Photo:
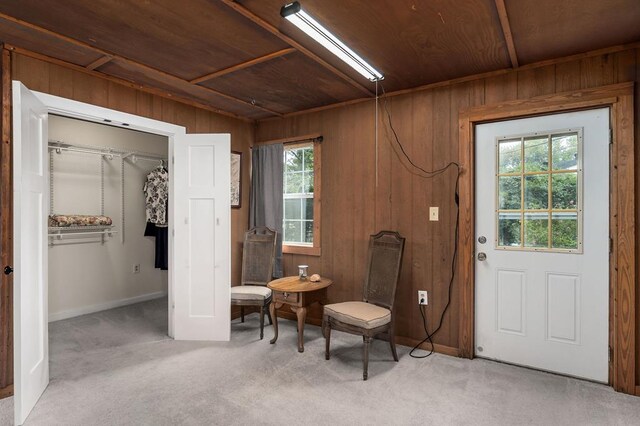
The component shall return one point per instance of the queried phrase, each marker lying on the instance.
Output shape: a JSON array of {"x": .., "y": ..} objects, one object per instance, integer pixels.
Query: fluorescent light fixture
[{"x": 294, "y": 13}]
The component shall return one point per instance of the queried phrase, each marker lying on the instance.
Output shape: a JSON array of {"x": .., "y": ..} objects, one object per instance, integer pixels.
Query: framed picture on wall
[{"x": 236, "y": 179}]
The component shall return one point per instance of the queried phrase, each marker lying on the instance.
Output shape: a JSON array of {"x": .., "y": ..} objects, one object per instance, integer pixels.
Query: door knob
[
  {"x": 8, "y": 270},
  {"x": 482, "y": 256}
]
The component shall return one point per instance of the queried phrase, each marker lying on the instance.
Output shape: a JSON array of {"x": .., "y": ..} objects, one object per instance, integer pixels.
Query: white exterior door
[
  {"x": 31, "y": 203},
  {"x": 201, "y": 267},
  {"x": 542, "y": 242}
]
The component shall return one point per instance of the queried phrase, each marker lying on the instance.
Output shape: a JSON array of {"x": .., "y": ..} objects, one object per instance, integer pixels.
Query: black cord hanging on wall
[{"x": 426, "y": 174}]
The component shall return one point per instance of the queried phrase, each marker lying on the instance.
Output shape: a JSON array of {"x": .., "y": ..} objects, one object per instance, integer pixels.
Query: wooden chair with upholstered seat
[
  {"x": 373, "y": 316},
  {"x": 258, "y": 253}
]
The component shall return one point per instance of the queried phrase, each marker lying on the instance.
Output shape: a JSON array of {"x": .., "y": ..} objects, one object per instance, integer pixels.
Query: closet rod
[
  {"x": 62, "y": 146},
  {"x": 136, "y": 157},
  {"x": 84, "y": 151},
  {"x": 60, "y": 235}
]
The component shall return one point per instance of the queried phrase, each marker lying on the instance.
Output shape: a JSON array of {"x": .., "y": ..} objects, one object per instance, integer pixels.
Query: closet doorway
[
  {"x": 101, "y": 254},
  {"x": 198, "y": 280}
]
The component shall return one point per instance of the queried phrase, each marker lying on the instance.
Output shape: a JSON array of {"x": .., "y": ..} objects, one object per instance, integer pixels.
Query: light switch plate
[{"x": 433, "y": 214}]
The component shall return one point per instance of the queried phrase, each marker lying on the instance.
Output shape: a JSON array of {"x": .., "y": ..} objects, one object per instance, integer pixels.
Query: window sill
[{"x": 303, "y": 250}]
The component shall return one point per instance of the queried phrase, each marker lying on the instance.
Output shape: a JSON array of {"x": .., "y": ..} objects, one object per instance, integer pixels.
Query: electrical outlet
[
  {"x": 136, "y": 268},
  {"x": 433, "y": 214},
  {"x": 423, "y": 297}
]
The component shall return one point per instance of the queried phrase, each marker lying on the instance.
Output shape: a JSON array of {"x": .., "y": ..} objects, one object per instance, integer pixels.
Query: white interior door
[
  {"x": 542, "y": 221},
  {"x": 202, "y": 240},
  {"x": 31, "y": 203}
]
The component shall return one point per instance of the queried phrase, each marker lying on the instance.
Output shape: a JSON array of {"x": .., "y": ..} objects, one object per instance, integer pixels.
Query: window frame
[
  {"x": 315, "y": 249},
  {"x": 550, "y": 210}
]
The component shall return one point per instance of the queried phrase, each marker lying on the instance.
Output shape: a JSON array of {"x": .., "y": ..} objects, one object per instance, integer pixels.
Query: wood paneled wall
[
  {"x": 56, "y": 80},
  {"x": 6, "y": 225},
  {"x": 357, "y": 203}
]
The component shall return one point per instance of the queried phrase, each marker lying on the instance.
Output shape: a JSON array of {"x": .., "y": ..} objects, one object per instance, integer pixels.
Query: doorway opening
[
  {"x": 105, "y": 248},
  {"x": 198, "y": 194}
]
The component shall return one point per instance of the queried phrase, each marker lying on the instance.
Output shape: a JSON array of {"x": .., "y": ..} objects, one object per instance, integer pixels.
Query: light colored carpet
[{"x": 118, "y": 368}]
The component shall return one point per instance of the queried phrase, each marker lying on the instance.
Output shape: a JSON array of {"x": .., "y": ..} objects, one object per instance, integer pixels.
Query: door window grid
[{"x": 539, "y": 194}]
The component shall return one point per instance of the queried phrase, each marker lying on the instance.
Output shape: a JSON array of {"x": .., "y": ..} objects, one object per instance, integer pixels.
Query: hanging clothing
[
  {"x": 161, "y": 234},
  {"x": 156, "y": 195},
  {"x": 162, "y": 248},
  {"x": 156, "y": 191}
]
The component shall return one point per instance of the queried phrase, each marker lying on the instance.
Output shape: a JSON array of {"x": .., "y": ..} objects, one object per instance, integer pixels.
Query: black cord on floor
[
  {"x": 428, "y": 175},
  {"x": 428, "y": 338},
  {"x": 453, "y": 272}
]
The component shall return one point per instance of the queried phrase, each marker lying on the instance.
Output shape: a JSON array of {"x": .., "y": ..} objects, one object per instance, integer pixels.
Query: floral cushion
[{"x": 64, "y": 220}]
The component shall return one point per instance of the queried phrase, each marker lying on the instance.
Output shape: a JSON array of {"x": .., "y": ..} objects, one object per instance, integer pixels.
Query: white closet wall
[{"x": 85, "y": 275}]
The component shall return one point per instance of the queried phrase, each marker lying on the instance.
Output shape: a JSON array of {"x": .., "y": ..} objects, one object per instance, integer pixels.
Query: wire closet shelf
[{"x": 58, "y": 147}]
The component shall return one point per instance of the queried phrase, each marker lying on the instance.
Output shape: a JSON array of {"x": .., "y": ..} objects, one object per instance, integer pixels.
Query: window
[
  {"x": 539, "y": 194},
  {"x": 301, "y": 209}
]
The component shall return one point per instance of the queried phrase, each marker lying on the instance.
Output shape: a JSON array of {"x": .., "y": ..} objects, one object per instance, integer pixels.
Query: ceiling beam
[
  {"x": 506, "y": 30},
  {"x": 99, "y": 62},
  {"x": 145, "y": 68},
  {"x": 474, "y": 77},
  {"x": 123, "y": 82},
  {"x": 291, "y": 42},
  {"x": 243, "y": 65},
  {"x": 169, "y": 78}
]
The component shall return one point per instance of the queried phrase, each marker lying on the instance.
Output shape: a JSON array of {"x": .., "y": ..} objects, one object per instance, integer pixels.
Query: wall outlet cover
[
  {"x": 423, "y": 297},
  {"x": 136, "y": 268}
]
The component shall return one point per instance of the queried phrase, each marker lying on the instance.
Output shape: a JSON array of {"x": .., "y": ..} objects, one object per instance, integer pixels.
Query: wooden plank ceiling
[{"x": 242, "y": 58}]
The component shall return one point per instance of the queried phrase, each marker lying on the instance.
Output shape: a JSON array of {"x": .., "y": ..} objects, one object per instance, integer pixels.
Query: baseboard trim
[
  {"x": 441, "y": 349},
  {"x": 70, "y": 313},
  {"x": 400, "y": 340},
  {"x": 6, "y": 392}
]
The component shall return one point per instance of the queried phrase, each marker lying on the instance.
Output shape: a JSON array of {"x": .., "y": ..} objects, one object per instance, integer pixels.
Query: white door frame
[
  {"x": 88, "y": 112},
  {"x": 623, "y": 286}
]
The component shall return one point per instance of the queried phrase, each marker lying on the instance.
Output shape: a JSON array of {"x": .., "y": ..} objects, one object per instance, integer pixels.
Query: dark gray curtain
[{"x": 265, "y": 209}]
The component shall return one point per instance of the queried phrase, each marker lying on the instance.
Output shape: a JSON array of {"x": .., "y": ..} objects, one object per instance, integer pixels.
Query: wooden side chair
[
  {"x": 258, "y": 253},
  {"x": 373, "y": 316}
]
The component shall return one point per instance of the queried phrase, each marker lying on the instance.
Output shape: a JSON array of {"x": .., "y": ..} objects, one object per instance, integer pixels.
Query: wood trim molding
[
  {"x": 466, "y": 79},
  {"x": 619, "y": 98},
  {"x": 291, "y": 42},
  {"x": 310, "y": 137},
  {"x": 441, "y": 349},
  {"x": 6, "y": 392},
  {"x": 590, "y": 54},
  {"x": 6, "y": 233},
  {"x": 99, "y": 62},
  {"x": 301, "y": 250},
  {"x": 506, "y": 30},
  {"x": 400, "y": 340},
  {"x": 243, "y": 65},
  {"x": 316, "y": 250},
  {"x": 144, "y": 68},
  {"x": 147, "y": 89}
]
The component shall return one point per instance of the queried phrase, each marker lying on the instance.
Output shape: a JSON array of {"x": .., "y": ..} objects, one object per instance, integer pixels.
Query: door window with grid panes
[
  {"x": 539, "y": 192},
  {"x": 298, "y": 195}
]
